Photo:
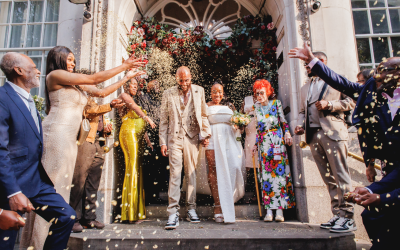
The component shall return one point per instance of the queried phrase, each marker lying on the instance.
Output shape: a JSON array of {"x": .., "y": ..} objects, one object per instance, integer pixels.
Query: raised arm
[
  {"x": 130, "y": 104},
  {"x": 58, "y": 78},
  {"x": 96, "y": 92},
  {"x": 336, "y": 81}
]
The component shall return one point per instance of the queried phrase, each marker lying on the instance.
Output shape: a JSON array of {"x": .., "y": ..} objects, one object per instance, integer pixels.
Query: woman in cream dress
[
  {"x": 65, "y": 99},
  {"x": 225, "y": 158}
]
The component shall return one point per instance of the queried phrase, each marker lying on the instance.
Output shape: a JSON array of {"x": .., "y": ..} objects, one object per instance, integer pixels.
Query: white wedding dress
[{"x": 229, "y": 159}]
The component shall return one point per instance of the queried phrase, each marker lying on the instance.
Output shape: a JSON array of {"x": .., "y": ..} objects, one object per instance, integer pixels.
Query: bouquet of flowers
[
  {"x": 240, "y": 119},
  {"x": 39, "y": 103}
]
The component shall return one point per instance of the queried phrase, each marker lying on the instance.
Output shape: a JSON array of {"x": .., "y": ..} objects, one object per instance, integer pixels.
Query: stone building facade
[{"x": 352, "y": 33}]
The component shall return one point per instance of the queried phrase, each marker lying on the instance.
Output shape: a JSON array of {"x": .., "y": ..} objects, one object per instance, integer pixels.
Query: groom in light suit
[
  {"x": 183, "y": 126},
  {"x": 24, "y": 184}
]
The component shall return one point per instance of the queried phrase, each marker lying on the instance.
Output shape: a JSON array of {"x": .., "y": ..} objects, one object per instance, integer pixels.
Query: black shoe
[
  {"x": 192, "y": 216},
  {"x": 330, "y": 223},
  {"x": 173, "y": 221},
  {"x": 344, "y": 225}
]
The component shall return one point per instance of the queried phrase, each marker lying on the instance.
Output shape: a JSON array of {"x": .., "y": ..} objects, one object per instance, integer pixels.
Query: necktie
[{"x": 32, "y": 109}]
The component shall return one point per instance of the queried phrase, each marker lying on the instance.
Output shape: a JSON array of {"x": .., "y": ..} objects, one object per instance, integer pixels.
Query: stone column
[{"x": 332, "y": 32}]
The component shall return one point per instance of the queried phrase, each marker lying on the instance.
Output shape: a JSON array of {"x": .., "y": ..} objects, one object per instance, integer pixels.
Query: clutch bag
[{"x": 83, "y": 131}]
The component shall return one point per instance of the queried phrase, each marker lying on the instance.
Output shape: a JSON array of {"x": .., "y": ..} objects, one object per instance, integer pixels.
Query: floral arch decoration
[{"x": 252, "y": 37}]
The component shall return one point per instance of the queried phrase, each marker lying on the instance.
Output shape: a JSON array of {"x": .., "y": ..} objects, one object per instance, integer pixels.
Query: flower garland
[{"x": 148, "y": 33}]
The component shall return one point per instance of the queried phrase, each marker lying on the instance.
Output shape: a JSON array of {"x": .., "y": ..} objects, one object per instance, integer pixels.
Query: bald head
[{"x": 184, "y": 78}]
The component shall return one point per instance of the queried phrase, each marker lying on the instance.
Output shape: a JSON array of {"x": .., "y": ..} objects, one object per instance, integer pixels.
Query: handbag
[{"x": 83, "y": 131}]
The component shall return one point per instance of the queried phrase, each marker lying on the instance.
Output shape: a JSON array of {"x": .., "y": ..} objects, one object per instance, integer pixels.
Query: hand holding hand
[
  {"x": 11, "y": 220},
  {"x": 20, "y": 203},
  {"x": 133, "y": 63},
  {"x": 164, "y": 150},
  {"x": 205, "y": 142},
  {"x": 304, "y": 53},
  {"x": 299, "y": 130},
  {"x": 288, "y": 139},
  {"x": 322, "y": 105}
]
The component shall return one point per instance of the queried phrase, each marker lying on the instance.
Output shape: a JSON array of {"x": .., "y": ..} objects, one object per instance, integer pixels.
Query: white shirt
[
  {"x": 24, "y": 95},
  {"x": 315, "y": 80},
  {"x": 394, "y": 103},
  {"x": 182, "y": 96}
]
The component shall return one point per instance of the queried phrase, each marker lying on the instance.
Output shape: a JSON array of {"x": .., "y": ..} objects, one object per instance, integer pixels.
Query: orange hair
[{"x": 259, "y": 84}]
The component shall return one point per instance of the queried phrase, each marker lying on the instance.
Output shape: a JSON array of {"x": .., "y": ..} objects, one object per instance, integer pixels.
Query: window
[
  {"x": 377, "y": 29},
  {"x": 29, "y": 27}
]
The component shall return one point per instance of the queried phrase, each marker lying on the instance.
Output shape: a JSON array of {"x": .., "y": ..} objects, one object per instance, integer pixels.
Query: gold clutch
[{"x": 83, "y": 131}]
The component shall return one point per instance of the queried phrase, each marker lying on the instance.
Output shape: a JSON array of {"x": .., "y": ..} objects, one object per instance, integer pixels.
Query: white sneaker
[
  {"x": 192, "y": 216},
  {"x": 330, "y": 223},
  {"x": 173, "y": 221},
  {"x": 269, "y": 216},
  {"x": 279, "y": 216},
  {"x": 344, "y": 225}
]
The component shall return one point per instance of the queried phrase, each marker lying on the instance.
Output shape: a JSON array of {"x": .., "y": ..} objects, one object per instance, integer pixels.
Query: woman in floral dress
[{"x": 272, "y": 135}]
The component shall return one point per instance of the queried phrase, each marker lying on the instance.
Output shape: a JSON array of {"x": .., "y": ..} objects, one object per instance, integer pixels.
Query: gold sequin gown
[{"x": 131, "y": 137}]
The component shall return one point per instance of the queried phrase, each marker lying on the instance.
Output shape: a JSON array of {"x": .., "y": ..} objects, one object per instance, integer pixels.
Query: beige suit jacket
[
  {"x": 335, "y": 128},
  {"x": 170, "y": 115}
]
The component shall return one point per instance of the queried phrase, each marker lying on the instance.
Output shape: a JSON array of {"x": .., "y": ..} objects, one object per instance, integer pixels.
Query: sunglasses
[{"x": 260, "y": 93}]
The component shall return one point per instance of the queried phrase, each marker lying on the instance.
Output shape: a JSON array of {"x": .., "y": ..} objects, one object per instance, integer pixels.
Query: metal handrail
[{"x": 303, "y": 144}]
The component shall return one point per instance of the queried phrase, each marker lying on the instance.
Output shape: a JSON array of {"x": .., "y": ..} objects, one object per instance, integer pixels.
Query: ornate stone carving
[{"x": 304, "y": 29}]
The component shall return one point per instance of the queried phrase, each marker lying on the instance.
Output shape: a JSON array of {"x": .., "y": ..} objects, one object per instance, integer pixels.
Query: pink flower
[
  {"x": 270, "y": 26},
  {"x": 141, "y": 31},
  {"x": 263, "y": 27}
]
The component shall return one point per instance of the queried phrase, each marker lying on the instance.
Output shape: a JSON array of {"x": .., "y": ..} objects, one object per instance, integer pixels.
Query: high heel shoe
[{"x": 219, "y": 218}]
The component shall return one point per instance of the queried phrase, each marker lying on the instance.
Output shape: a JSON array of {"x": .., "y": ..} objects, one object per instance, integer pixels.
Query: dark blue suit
[
  {"x": 21, "y": 147},
  {"x": 380, "y": 139}
]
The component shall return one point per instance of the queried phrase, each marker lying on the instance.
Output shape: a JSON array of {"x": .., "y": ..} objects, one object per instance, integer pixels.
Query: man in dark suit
[
  {"x": 377, "y": 118},
  {"x": 24, "y": 184}
]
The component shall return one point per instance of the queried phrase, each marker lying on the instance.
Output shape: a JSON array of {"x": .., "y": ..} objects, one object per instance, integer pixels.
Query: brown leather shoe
[
  {"x": 77, "y": 228},
  {"x": 94, "y": 224}
]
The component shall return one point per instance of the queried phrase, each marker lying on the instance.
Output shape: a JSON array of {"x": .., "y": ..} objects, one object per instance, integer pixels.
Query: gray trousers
[{"x": 331, "y": 159}]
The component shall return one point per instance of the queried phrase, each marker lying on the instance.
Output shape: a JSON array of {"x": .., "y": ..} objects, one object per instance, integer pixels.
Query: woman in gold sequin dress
[{"x": 132, "y": 137}]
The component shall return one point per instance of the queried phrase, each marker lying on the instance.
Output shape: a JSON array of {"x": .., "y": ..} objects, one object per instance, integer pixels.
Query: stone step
[
  {"x": 244, "y": 234},
  {"x": 241, "y": 211}
]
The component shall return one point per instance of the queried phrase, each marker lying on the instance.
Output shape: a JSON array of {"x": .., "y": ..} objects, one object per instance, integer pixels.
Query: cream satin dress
[{"x": 60, "y": 130}]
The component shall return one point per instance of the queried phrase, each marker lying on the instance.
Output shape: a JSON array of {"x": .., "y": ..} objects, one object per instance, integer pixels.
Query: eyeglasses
[{"x": 260, "y": 93}]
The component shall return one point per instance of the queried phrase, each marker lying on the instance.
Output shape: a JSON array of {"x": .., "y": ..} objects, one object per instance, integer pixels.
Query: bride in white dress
[{"x": 225, "y": 158}]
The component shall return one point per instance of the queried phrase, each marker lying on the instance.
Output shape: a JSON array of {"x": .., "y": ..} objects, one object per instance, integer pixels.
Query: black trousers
[
  {"x": 86, "y": 180},
  {"x": 382, "y": 227}
]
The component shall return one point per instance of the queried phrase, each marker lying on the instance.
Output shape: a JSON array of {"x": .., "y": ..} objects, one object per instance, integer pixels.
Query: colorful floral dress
[{"x": 274, "y": 175}]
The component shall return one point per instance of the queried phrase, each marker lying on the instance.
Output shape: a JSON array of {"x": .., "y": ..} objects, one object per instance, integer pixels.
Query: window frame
[{"x": 371, "y": 34}]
